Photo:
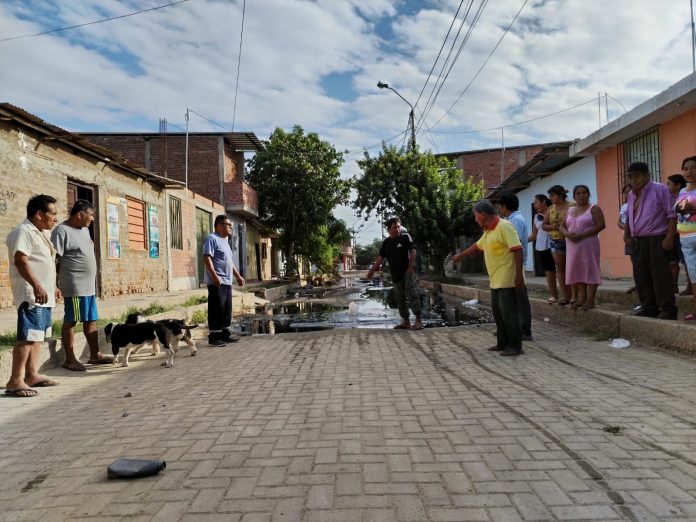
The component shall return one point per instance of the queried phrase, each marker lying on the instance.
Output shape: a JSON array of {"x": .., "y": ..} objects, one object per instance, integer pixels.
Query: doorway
[
  {"x": 77, "y": 191},
  {"x": 203, "y": 228}
]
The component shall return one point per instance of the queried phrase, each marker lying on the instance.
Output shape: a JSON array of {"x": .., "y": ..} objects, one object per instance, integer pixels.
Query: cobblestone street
[{"x": 363, "y": 425}]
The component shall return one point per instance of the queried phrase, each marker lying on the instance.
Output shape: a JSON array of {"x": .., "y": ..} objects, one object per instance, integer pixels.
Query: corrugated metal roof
[
  {"x": 51, "y": 132},
  {"x": 550, "y": 159}
]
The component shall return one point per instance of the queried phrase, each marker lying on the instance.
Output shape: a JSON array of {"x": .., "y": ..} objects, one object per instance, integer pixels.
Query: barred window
[
  {"x": 136, "y": 224},
  {"x": 643, "y": 147},
  {"x": 176, "y": 231}
]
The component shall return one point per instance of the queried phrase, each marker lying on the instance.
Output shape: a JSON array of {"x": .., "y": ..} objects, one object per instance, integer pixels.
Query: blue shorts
[
  {"x": 81, "y": 309},
  {"x": 558, "y": 246},
  {"x": 33, "y": 323}
]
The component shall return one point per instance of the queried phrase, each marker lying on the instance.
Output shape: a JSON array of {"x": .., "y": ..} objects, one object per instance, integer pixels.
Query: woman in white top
[{"x": 542, "y": 244}]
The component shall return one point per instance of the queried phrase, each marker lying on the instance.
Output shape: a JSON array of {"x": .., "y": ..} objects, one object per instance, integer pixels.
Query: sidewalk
[{"x": 357, "y": 425}]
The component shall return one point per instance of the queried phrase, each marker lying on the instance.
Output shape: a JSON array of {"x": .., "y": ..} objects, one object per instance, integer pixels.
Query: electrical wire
[
  {"x": 362, "y": 149},
  {"x": 449, "y": 54},
  {"x": 454, "y": 19},
  {"x": 472, "y": 25},
  {"x": 211, "y": 121},
  {"x": 482, "y": 65},
  {"x": 592, "y": 100},
  {"x": 239, "y": 64},
  {"x": 92, "y": 23}
]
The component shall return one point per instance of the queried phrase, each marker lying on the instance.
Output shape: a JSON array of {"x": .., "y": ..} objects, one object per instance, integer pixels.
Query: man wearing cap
[{"x": 649, "y": 231}]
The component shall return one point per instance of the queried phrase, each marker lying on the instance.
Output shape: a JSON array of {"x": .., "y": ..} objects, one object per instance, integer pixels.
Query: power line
[
  {"x": 362, "y": 149},
  {"x": 454, "y": 19},
  {"x": 449, "y": 54},
  {"x": 211, "y": 121},
  {"x": 472, "y": 25},
  {"x": 92, "y": 23},
  {"x": 482, "y": 65},
  {"x": 239, "y": 64},
  {"x": 593, "y": 100}
]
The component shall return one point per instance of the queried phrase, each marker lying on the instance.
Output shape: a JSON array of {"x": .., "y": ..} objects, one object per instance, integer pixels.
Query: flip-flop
[
  {"x": 420, "y": 327},
  {"x": 74, "y": 367},
  {"x": 552, "y": 300},
  {"x": 564, "y": 302},
  {"x": 22, "y": 393},
  {"x": 44, "y": 384},
  {"x": 402, "y": 327},
  {"x": 105, "y": 360},
  {"x": 690, "y": 317}
]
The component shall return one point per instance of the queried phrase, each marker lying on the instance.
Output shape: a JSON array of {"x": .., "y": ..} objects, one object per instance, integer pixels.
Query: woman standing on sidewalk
[
  {"x": 542, "y": 245},
  {"x": 581, "y": 228},
  {"x": 554, "y": 217},
  {"x": 685, "y": 208}
]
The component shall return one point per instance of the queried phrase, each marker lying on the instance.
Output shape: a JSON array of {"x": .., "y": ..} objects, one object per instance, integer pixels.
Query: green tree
[
  {"x": 427, "y": 193},
  {"x": 324, "y": 247},
  {"x": 298, "y": 181},
  {"x": 366, "y": 254}
]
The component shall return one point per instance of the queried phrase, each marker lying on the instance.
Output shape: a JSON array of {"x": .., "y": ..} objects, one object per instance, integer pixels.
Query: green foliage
[
  {"x": 324, "y": 248},
  {"x": 427, "y": 193},
  {"x": 194, "y": 300},
  {"x": 365, "y": 255},
  {"x": 298, "y": 181},
  {"x": 200, "y": 317}
]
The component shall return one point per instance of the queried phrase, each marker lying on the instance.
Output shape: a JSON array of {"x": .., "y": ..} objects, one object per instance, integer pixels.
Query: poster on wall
[
  {"x": 153, "y": 230},
  {"x": 113, "y": 231}
]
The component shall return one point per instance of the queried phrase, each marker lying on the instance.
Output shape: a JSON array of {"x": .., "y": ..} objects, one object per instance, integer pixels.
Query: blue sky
[{"x": 316, "y": 63}]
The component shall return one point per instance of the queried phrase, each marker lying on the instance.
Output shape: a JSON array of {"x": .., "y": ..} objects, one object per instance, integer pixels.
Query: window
[
  {"x": 176, "y": 231},
  {"x": 136, "y": 224},
  {"x": 643, "y": 147}
]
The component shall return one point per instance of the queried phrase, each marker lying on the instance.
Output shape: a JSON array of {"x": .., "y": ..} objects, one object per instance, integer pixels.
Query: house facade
[
  {"x": 214, "y": 168},
  {"x": 144, "y": 237}
]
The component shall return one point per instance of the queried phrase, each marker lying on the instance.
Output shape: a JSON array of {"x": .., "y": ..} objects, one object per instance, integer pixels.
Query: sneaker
[
  {"x": 231, "y": 339},
  {"x": 495, "y": 348},
  {"x": 509, "y": 352},
  {"x": 217, "y": 342},
  {"x": 667, "y": 314},
  {"x": 527, "y": 337}
]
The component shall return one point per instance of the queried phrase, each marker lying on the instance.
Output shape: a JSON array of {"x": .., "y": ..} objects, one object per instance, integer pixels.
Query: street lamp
[{"x": 412, "y": 144}]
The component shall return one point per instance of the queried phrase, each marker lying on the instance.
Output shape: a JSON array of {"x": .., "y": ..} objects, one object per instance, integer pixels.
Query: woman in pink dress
[{"x": 581, "y": 229}]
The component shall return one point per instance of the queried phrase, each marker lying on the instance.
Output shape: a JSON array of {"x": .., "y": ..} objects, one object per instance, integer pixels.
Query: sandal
[
  {"x": 552, "y": 300},
  {"x": 690, "y": 317},
  {"x": 564, "y": 302}
]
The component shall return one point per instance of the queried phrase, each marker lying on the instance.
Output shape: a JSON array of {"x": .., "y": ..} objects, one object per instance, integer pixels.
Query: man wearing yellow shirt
[{"x": 502, "y": 251}]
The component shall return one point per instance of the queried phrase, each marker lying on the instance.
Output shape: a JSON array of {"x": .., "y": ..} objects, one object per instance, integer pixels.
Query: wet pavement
[{"x": 363, "y": 425}]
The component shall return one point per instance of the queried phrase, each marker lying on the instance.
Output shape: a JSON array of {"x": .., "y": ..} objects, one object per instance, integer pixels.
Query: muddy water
[{"x": 357, "y": 303}]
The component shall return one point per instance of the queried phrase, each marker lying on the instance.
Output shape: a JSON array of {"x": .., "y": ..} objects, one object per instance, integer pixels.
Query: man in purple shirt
[{"x": 650, "y": 231}]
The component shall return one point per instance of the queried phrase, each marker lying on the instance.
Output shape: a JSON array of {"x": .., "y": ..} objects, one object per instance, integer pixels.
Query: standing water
[{"x": 357, "y": 303}]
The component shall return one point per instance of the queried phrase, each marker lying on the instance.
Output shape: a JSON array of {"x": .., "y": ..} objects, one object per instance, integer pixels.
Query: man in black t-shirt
[{"x": 400, "y": 250}]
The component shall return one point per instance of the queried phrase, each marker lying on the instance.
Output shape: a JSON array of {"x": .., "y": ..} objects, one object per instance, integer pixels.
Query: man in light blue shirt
[
  {"x": 509, "y": 208},
  {"x": 219, "y": 269}
]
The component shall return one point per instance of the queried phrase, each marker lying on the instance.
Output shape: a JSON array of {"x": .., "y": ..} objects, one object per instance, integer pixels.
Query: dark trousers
[
  {"x": 506, "y": 312},
  {"x": 652, "y": 275},
  {"x": 219, "y": 311},
  {"x": 406, "y": 293},
  {"x": 525, "y": 311}
]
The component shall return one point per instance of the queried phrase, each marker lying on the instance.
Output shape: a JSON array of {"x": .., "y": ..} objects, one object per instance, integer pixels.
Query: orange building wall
[
  {"x": 613, "y": 262},
  {"x": 677, "y": 141}
]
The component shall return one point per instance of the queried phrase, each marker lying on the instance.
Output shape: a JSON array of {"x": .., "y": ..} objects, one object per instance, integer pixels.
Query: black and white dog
[{"x": 134, "y": 334}]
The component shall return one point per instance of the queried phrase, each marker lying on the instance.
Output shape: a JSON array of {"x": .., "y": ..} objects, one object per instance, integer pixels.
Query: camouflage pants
[{"x": 406, "y": 293}]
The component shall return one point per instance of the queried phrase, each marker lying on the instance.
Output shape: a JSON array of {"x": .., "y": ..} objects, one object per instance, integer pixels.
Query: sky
[{"x": 316, "y": 63}]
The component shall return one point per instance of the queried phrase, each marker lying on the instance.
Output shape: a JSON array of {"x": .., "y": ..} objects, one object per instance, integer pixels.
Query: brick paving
[{"x": 363, "y": 425}]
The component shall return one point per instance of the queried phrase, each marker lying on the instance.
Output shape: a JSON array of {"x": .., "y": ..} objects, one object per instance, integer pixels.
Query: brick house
[
  {"x": 492, "y": 165},
  {"x": 216, "y": 171},
  {"x": 144, "y": 233}
]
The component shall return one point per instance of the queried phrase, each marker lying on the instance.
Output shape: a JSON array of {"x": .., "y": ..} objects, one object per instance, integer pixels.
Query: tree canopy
[
  {"x": 298, "y": 181},
  {"x": 427, "y": 193}
]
